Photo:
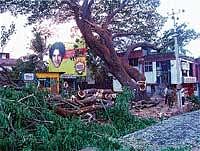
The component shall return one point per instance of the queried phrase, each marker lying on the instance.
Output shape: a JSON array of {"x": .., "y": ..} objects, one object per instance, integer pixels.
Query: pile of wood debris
[{"x": 84, "y": 103}]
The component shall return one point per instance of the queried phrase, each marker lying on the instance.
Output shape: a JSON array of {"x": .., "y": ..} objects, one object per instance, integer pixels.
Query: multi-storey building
[
  {"x": 6, "y": 61},
  {"x": 197, "y": 68},
  {"x": 160, "y": 70}
]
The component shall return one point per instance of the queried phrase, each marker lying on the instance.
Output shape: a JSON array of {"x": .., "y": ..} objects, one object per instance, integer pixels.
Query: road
[{"x": 178, "y": 131}]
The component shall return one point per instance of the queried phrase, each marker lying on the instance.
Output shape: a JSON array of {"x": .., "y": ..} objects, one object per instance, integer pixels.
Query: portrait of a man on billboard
[{"x": 71, "y": 62}]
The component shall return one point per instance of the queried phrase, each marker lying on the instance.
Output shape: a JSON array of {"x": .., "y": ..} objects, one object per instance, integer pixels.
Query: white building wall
[
  {"x": 174, "y": 72},
  {"x": 151, "y": 76}
]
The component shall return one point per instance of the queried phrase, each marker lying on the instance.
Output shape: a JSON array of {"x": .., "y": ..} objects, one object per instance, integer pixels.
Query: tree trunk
[
  {"x": 112, "y": 61},
  {"x": 102, "y": 45}
]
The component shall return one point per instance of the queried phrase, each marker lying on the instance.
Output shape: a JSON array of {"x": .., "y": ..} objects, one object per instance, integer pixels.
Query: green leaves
[
  {"x": 5, "y": 34},
  {"x": 184, "y": 36},
  {"x": 4, "y": 120},
  {"x": 26, "y": 123}
]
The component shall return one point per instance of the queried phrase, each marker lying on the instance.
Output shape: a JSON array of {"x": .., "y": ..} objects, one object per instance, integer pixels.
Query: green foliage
[
  {"x": 26, "y": 123},
  {"x": 22, "y": 66},
  {"x": 184, "y": 36},
  {"x": 138, "y": 17},
  {"x": 121, "y": 118},
  {"x": 6, "y": 33},
  {"x": 30, "y": 64},
  {"x": 195, "y": 101},
  {"x": 79, "y": 43},
  {"x": 38, "y": 44},
  {"x": 177, "y": 149},
  {"x": 96, "y": 66}
]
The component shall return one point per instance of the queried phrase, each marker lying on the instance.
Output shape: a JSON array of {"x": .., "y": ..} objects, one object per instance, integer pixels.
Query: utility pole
[
  {"x": 176, "y": 47},
  {"x": 178, "y": 86}
]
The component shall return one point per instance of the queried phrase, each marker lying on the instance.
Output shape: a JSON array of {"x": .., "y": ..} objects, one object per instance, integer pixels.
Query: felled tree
[{"x": 107, "y": 27}]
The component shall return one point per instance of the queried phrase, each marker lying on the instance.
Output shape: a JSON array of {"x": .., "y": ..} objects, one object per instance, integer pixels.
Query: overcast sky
[{"x": 19, "y": 42}]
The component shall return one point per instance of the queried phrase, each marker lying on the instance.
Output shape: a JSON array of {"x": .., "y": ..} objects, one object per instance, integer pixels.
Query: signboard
[
  {"x": 117, "y": 87},
  {"x": 28, "y": 77},
  {"x": 71, "y": 62},
  {"x": 189, "y": 79}
]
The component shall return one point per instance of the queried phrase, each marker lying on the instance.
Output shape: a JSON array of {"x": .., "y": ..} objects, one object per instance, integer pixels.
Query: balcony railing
[{"x": 189, "y": 79}]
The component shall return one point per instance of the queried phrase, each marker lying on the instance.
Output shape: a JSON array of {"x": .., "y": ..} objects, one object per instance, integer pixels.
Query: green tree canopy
[
  {"x": 5, "y": 34},
  {"x": 129, "y": 21},
  {"x": 184, "y": 36},
  {"x": 107, "y": 27}
]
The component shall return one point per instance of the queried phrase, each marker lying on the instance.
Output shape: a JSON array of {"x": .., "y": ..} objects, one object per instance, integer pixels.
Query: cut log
[
  {"x": 81, "y": 94},
  {"x": 69, "y": 112},
  {"x": 145, "y": 104},
  {"x": 89, "y": 100},
  {"x": 89, "y": 92}
]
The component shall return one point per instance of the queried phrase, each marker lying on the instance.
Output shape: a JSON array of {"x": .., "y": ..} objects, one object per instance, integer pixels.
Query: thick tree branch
[
  {"x": 143, "y": 45},
  {"x": 134, "y": 73},
  {"x": 86, "y": 9},
  {"x": 74, "y": 6},
  {"x": 103, "y": 47},
  {"x": 124, "y": 34},
  {"x": 104, "y": 35},
  {"x": 112, "y": 14}
]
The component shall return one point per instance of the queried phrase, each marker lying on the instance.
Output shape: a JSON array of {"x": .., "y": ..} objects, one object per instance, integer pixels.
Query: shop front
[
  {"x": 49, "y": 81},
  {"x": 190, "y": 85}
]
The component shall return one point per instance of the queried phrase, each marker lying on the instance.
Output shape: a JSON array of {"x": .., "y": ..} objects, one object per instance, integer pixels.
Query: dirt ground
[{"x": 162, "y": 110}]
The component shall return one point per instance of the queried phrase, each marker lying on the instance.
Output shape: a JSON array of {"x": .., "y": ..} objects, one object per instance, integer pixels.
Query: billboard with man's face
[{"x": 69, "y": 61}]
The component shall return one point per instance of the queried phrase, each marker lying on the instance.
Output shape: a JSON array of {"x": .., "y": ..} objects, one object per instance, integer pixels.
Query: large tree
[
  {"x": 184, "y": 36},
  {"x": 6, "y": 32},
  {"x": 107, "y": 26},
  {"x": 38, "y": 43}
]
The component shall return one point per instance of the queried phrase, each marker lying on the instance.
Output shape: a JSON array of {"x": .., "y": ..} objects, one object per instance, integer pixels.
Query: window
[
  {"x": 191, "y": 70},
  {"x": 47, "y": 83},
  {"x": 3, "y": 56},
  {"x": 158, "y": 64},
  {"x": 148, "y": 67},
  {"x": 133, "y": 62},
  {"x": 184, "y": 73},
  {"x": 44, "y": 83},
  {"x": 130, "y": 62}
]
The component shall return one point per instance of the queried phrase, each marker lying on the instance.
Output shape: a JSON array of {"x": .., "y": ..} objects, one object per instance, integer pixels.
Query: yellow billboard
[{"x": 71, "y": 61}]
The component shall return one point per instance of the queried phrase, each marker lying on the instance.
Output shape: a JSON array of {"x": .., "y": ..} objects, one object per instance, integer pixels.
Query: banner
[{"x": 70, "y": 62}]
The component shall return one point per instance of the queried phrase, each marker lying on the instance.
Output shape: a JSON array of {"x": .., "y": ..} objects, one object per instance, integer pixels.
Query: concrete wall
[{"x": 151, "y": 76}]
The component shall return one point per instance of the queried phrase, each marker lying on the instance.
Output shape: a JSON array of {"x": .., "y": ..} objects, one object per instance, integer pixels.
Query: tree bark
[
  {"x": 100, "y": 40},
  {"x": 112, "y": 61}
]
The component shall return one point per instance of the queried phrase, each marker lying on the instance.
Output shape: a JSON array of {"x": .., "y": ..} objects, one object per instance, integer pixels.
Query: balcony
[{"x": 189, "y": 79}]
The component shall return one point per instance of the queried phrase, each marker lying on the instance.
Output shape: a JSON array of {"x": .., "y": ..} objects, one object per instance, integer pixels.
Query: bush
[
  {"x": 121, "y": 118},
  {"x": 195, "y": 101}
]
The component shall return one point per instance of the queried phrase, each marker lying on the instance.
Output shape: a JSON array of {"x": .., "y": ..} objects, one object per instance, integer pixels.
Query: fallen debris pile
[{"x": 85, "y": 102}]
